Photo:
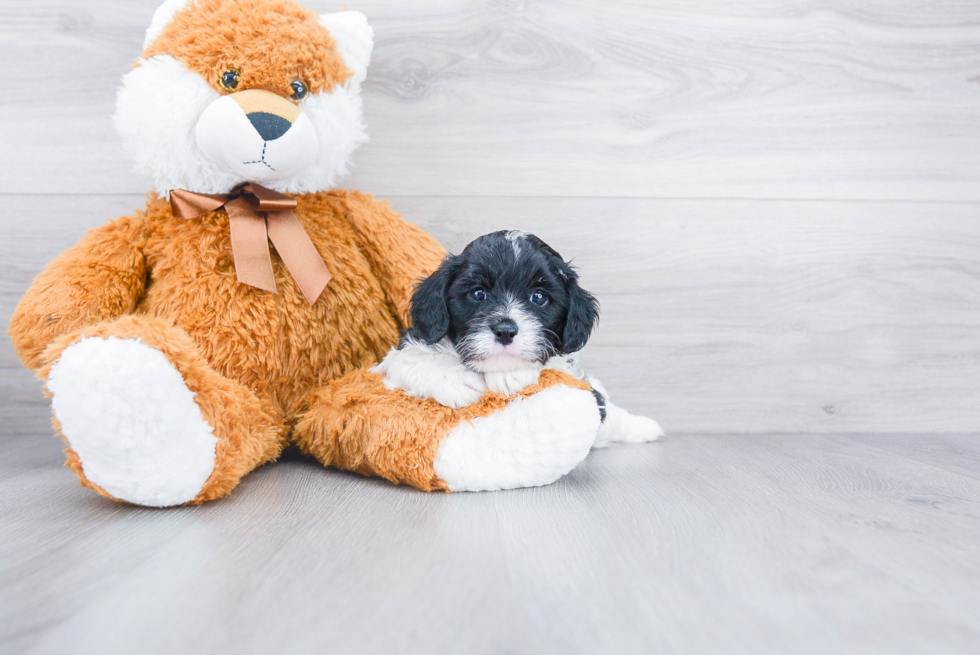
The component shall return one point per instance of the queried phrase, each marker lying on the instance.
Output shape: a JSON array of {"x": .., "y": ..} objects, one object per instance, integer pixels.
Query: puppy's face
[{"x": 506, "y": 302}]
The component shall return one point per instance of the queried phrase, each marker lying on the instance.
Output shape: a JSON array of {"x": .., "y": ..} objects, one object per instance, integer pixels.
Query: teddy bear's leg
[
  {"x": 148, "y": 421},
  {"x": 531, "y": 442},
  {"x": 498, "y": 443}
]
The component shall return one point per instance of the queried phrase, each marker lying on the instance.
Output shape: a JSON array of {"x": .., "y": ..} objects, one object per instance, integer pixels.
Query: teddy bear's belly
[{"x": 276, "y": 343}]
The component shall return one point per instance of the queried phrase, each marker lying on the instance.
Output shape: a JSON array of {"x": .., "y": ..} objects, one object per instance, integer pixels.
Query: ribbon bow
[{"x": 256, "y": 216}]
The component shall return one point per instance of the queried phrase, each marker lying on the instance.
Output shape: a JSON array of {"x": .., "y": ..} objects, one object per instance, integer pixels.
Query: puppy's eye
[
  {"x": 479, "y": 295},
  {"x": 299, "y": 89},
  {"x": 539, "y": 299},
  {"x": 230, "y": 79}
]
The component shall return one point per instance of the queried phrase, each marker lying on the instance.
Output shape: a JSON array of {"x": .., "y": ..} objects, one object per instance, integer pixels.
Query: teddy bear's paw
[
  {"x": 531, "y": 442},
  {"x": 132, "y": 421}
]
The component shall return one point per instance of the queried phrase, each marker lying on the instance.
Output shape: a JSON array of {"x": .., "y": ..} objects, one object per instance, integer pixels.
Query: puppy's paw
[
  {"x": 510, "y": 383},
  {"x": 623, "y": 427},
  {"x": 432, "y": 371},
  {"x": 638, "y": 429},
  {"x": 459, "y": 388}
]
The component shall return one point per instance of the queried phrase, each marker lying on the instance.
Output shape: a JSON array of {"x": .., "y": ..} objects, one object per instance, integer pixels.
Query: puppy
[{"x": 492, "y": 318}]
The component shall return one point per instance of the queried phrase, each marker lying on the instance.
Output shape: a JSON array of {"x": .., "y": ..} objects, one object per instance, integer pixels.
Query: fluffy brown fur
[
  {"x": 357, "y": 424},
  {"x": 215, "y": 35},
  {"x": 252, "y": 358}
]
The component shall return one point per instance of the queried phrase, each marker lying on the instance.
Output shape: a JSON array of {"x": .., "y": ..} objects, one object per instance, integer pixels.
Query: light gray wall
[{"x": 778, "y": 203}]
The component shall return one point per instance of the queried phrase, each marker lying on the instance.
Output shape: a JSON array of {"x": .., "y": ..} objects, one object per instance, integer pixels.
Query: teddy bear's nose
[
  {"x": 271, "y": 115},
  {"x": 269, "y": 126}
]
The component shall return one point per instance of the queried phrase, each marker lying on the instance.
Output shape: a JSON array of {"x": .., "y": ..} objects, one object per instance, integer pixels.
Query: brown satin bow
[{"x": 257, "y": 215}]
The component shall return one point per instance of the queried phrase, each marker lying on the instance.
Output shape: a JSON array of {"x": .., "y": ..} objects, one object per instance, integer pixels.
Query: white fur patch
[
  {"x": 161, "y": 18},
  {"x": 531, "y": 442},
  {"x": 513, "y": 381},
  {"x": 354, "y": 39},
  {"x": 135, "y": 425},
  {"x": 569, "y": 364},
  {"x": 338, "y": 118},
  {"x": 515, "y": 237},
  {"x": 157, "y": 111},
  {"x": 432, "y": 371}
]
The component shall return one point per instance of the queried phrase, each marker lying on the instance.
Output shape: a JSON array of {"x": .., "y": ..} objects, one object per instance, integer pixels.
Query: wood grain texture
[
  {"x": 778, "y": 204},
  {"x": 717, "y": 316},
  {"x": 725, "y": 544},
  {"x": 806, "y": 99}
]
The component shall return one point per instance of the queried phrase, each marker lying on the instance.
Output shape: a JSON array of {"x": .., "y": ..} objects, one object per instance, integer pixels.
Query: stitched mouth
[{"x": 265, "y": 144}]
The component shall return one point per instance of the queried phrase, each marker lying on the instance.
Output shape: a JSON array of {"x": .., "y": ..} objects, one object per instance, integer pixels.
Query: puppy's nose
[
  {"x": 271, "y": 115},
  {"x": 505, "y": 330}
]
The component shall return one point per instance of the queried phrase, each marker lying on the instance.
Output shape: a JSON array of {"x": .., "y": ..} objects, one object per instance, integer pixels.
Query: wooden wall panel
[
  {"x": 806, "y": 99},
  {"x": 775, "y": 201},
  {"x": 718, "y": 316}
]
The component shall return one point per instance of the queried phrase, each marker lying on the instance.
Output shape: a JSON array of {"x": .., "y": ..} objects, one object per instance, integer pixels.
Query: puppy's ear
[
  {"x": 430, "y": 309},
  {"x": 583, "y": 313}
]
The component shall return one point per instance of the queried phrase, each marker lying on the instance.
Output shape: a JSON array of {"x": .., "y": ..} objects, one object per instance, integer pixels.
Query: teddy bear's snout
[
  {"x": 271, "y": 115},
  {"x": 258, "y": 136}
]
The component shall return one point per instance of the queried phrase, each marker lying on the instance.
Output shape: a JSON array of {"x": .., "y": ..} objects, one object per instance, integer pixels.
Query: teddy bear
[{"x": 241, "y": 309}]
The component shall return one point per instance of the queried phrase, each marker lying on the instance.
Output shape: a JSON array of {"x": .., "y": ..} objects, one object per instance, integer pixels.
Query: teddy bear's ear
[
  {"x": 354, "y": 39},
  {"x": 161, "y": 18}
]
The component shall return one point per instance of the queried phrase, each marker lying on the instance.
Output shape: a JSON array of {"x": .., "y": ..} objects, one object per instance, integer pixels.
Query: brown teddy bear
[{"x": 182, "y": 350}]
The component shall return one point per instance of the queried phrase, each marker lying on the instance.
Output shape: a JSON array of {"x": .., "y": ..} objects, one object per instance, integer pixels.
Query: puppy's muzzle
[
  {"x": 504, "y": 330},
  {"x": 271, "y": 115}
]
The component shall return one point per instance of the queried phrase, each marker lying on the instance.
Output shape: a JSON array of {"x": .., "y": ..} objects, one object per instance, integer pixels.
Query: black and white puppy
[{"x": 493, "y": 317}]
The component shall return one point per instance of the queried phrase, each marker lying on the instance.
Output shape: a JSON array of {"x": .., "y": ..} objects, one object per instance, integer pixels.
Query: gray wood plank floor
[
  {"x": 778, "y": 205},
  {"x": 697, "y": 544}
]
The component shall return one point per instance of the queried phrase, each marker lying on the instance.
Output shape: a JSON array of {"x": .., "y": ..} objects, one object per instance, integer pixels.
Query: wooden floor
[
  {"x": 698, "y": 544},
  {"x": 778, "y": 206}
]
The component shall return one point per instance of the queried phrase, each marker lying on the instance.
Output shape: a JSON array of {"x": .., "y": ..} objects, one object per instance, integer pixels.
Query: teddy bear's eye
[
  {"x": 299, "y": 89},
  {"x": 230, "y": 79}
]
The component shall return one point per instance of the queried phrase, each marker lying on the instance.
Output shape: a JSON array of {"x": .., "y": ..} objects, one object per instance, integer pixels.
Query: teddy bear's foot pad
[
  {"x": 132, "y": 421},
  {"x": 531, "y": 442}
]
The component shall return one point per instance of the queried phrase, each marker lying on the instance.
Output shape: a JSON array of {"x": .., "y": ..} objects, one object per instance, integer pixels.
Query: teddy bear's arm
[
  {"x": 400, "y": 254},
  {"x": 101, "y": 277}
]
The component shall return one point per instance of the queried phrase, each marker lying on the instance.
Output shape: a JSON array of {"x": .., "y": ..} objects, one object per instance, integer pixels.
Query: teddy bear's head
[{"x": 233, "y": 91}]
